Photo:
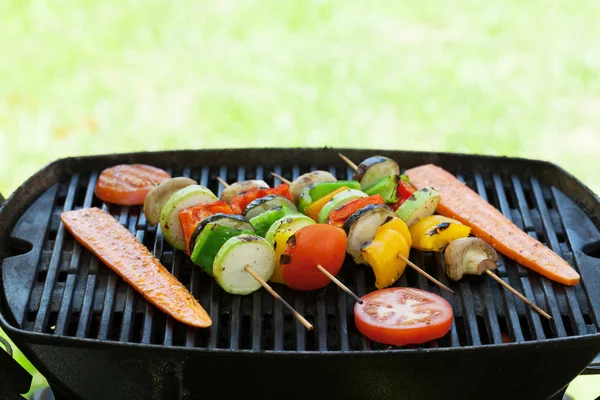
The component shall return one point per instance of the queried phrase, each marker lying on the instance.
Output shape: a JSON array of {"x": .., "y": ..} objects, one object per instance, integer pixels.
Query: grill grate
[{"x": 74, "y": 295}]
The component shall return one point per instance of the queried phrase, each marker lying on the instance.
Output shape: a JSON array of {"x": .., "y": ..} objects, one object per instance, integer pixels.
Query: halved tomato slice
[
  {"x": 399, "y": 316},
  {"x": 128, "y": 184}
]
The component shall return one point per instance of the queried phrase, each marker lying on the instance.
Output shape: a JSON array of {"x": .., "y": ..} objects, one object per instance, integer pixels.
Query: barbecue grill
[{"x": 94, "y": 337}]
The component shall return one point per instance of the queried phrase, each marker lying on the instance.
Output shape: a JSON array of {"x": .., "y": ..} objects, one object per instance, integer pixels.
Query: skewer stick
[
  {"x": 264, "y": 284},
  {"x": 222, "y": 182},
  {"x": 348, "y": 161},
  {"x": 281, "y": 178},
  {"x": 519, "y": 295},
  {"x": 425, "y": 274},
  {"x": 340, "y": 284}
]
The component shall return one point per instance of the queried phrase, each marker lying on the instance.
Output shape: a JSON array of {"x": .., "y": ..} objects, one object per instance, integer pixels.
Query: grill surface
[{"x": 73, "y": 295}]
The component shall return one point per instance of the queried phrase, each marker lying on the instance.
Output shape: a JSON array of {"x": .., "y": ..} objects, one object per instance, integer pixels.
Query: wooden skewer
[
  {"x": 281, "y": 178},
  {"x": 264, "y": 284},
  {"x": 222, "y": 182},
  {"x": 348, "y": 161},
  {"x": 519, "y": 295},
  {"x": 425, "y": 274},
  {"x": 340, "y": 284}
]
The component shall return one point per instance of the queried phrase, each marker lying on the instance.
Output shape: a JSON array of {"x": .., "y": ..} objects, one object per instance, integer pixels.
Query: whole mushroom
[{"x": 469, "y": 255}]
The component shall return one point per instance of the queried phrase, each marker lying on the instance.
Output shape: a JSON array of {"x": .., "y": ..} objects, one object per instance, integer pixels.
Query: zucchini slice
[
  {"x": 338, "y": 201},
  {"x": 375, "y": 168},
  {"x": 290, "y": 222},
  {"x": 237, "y": 252},
  {"x": 267, "y": 203},
  {"x": 421, "y": 204},
  {"x": 232, "y": 220},
  {"x": 209, "y": 242},
  {"x": 262, "y": 222},
  {"x": 362, "y": 226},
  {"x": 169, "y": 217},
  {"x": 308, "y": 179},
  {"x": 239, "y": 187}
]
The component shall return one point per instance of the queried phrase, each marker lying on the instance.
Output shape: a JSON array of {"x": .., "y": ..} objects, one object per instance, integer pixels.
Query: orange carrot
[
  {"x": 120, "y": 250},
  {"x": 458, "y": 201}
]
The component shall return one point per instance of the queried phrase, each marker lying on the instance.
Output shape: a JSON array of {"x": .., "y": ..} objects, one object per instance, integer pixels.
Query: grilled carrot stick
[
  {"x": 100, "y": 233},
  {"x": 458, "y": 201}
]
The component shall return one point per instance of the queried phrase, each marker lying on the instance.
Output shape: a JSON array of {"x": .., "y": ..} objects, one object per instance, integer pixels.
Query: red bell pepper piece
[
  {"x": 192, "y": 216},
  {"x": 240, "y": 202},
  {"x": 404, "y": 190},
  {"x": 338, "y": 216}
]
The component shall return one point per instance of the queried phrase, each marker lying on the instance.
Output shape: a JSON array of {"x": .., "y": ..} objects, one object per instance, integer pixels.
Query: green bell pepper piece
[
  {"x": 208, "y": 243},
  {"x": 386, "y": 187},
  {"x": 316, "y": 191},
  {"x": 263, "y": 221}
]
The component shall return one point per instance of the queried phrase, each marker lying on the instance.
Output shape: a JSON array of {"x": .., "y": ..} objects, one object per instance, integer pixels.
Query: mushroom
[
  {"x": 469, "y": 255},
  {"x": 160, "y": 194}
]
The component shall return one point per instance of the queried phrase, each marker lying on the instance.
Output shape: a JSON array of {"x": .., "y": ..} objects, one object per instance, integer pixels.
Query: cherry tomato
[
  {"x": 399, "y": 316},
  {"x": 312, "y": 245},
  {"x": 128, "y": 184}
]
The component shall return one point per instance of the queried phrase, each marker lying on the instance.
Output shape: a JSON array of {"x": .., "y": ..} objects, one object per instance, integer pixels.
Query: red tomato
[
  {"x": 312, "y": 245},
  {"x": 399, "y": 316},
  {"x": 128, "y": 184}
]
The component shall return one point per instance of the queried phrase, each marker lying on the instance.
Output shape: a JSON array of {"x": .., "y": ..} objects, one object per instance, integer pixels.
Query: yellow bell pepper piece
[
  {"x": 280, "y": 242},
  {"x": 314, "y": 209},
  {"x": 399, "y": 226},
  {"x": 435, "y": 232},
  {"x": 382, "y": 255}
]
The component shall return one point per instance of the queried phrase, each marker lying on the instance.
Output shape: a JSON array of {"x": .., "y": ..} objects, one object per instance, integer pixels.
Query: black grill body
[{"x": 94, "y": 337}]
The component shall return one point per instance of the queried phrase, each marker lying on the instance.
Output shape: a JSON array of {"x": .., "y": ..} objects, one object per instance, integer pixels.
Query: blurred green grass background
[{"x": 509, "y": 77}]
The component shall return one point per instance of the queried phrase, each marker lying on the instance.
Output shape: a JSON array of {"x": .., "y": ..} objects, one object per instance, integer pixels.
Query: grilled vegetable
[
  {"x": 267, "y": 203},
  {"x": 231, "y": 220},
  {"x": 160, "y": 194},
  {"x": 240, "y": 202},
  {"x": 316, "y": 191},
  {"x": 338, "y": 216},
  {"x": 386, "y": 187},
  {"x": 362, "y": 227},
  {"x": 119, "y": 249},
  {"x": 240, "y": 187},
  {"x": 190, "y": 217},
  {"x": 128, "y": 184},
  {"x": 169, "y": 217},
  {"x": 420, "y": 204},
  {"x": 308, "y": 179},
  {"x": 382, "y": 255},
  {"x": 337, "y": 201},
  {"x": 278, "y": 235},
  {"x": 399, "y": 316},
  {"x": 460, "y": 202},
  {"x": 469, "y": 255},
  {"x": 435, "y": 232},
  {"x": 399, "y": 226},
  {"x": 373, "y": 169},
  {"x": 315, "y": 208},
  {"x": 237, "y": 252},
  {"x": 262, "y": 222},
  {"x": 209, "y": 242},
  {"x": 310, "y": 246},
  {"x": 403, "y": 191}
]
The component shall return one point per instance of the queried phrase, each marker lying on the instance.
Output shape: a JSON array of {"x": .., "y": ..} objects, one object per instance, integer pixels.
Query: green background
[{"x": 509, "y": 77}]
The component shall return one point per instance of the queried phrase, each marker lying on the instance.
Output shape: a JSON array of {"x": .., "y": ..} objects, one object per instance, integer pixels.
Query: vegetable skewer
[
  {"x": 318, "y": 266},
  {"x": 222, "y": 243},
  {"x": 350, "y": 191},
  {"x": 484, "y": 266}
]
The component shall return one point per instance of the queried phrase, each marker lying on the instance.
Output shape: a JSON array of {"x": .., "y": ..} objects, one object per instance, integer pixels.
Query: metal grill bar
[{"x": 84, "y": 299}]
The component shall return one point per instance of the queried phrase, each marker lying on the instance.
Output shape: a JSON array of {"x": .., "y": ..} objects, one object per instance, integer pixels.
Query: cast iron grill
[{"x": 74, "y": 295}]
